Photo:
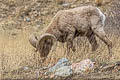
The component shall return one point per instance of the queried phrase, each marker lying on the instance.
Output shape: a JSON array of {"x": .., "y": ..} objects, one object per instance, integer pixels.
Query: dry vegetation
[{"x": 20, "y": 18}]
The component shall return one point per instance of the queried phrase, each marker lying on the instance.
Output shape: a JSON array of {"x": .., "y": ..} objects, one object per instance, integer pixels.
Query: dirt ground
[{"x": 20, "y": 18}]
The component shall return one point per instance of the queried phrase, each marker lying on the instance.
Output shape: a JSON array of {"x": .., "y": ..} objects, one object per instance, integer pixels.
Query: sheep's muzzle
[{"x": 45, "y": 44}]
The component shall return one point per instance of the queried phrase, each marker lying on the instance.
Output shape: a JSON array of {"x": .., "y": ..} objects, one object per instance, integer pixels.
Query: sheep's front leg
[
  {"x": 99, "y": 31},
  {"x": 91, "y": 38},
  {"x": 70, "y": 45}
]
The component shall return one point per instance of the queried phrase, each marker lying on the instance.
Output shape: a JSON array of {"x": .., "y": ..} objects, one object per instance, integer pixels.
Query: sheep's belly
[{"x": 82, "y": 24}]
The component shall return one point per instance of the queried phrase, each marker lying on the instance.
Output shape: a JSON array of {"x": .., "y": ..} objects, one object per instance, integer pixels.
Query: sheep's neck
[{"x": 52, "y": 28}]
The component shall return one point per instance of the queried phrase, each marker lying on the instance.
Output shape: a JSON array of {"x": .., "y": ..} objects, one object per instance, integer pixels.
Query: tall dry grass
[{"x": 16, "y": 52}]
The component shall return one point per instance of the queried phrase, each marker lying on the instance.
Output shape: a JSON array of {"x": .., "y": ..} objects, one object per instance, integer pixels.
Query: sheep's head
[{"x": 45, "y": 44}]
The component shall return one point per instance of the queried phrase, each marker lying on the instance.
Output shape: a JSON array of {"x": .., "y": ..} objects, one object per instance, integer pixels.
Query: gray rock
[
  {"x": 62, "y": 62},
  {"x": 28, "y": 19},
  {"x": 63, "y": 71},
  {"x": 66, "y": 5}
]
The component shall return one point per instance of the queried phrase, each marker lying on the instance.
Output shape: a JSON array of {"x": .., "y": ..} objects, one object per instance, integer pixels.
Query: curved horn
[
  {"x": 33, "y": 39},
  {"x": 45, "y": 43}
]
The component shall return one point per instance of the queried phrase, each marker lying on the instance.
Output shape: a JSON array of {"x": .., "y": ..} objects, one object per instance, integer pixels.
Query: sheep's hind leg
[{"x": 102, "y": 35}]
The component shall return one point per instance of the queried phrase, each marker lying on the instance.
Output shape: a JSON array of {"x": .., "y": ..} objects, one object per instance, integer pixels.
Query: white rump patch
[{"x": 102, "y": 16}]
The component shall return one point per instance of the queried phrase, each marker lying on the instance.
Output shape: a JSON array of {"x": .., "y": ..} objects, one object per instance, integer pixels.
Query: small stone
[
  {"x": 66, "y": 5},
  {"x": 26, "y": 68},
  {"x": 28, "y": 19},
  {"x": 83, "y": 66}
]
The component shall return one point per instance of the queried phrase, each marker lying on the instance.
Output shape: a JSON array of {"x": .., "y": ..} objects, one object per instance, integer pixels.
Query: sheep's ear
[
  {"x": 45, "y": 43},
  {"x": 33, "y": 39}
]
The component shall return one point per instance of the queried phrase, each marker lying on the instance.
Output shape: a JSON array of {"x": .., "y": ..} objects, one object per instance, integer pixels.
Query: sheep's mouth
[
  {"x": 45, "y": 48},
  {"x": 45, "y": 44}
]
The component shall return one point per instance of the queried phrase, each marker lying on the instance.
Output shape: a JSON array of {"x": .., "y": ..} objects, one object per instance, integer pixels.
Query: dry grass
[{"x": 16, "y": 52}]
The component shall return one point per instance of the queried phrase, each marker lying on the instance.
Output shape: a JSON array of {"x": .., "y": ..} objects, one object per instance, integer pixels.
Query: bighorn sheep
[{"x": 68, "y": 24}]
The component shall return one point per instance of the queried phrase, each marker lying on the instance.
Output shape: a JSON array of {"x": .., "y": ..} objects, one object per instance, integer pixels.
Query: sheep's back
[{"x": 77, "y": 18}]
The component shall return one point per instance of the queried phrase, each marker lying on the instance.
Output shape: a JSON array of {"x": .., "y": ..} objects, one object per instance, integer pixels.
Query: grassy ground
[{"x": 16, "y": 53}]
